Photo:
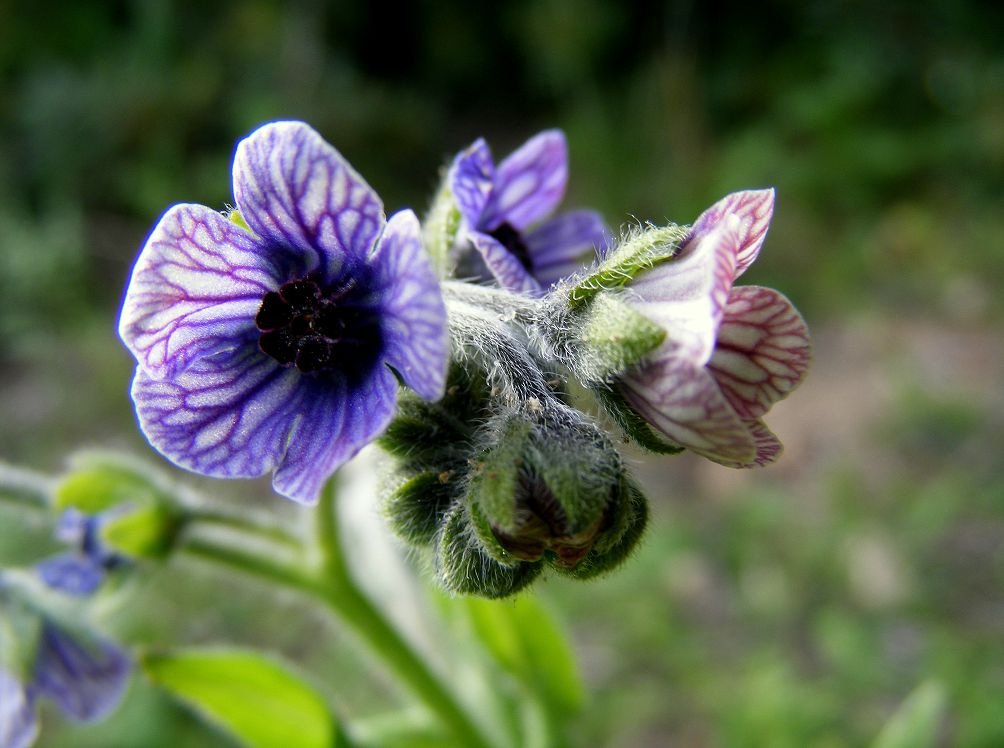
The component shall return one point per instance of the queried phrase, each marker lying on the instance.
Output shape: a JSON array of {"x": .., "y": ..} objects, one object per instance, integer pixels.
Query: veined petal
[
  {"x": 762, "y": 352},
  {"x": 682, "y": 401},
  {"x": 687, "y": 295},
  {"x": 18, "y": 721},
  {"x": 86, "y": 679},
  {"x": 471, "y": 178},
  {"x": 413, "y": 313},
  {"x": 504, "y": 265},
  {"x": 562, "y": 245},
  {"x": 529, "y": 184},
  {"x": 71, "y": 573},
  {"x": 195, "y": 290},
  {"x": 337, "y": 422},
  {"x": 754, "y": 209},
  {"x": 227, "y": 416},
  {"x": 297, "y": 191}
]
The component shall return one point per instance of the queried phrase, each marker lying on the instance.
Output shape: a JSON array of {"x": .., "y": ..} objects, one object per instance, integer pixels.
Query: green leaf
[
  {"x": 258, "y": 701},
  {"x": 527, "y": 641},
  {"x": 915, "y": 723}
]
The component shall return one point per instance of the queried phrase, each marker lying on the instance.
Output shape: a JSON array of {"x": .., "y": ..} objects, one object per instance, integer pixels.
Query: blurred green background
[{"x": 793, "y": 606}]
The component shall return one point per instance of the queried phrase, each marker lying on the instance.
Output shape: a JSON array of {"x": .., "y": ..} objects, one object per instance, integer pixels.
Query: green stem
[
  {"x": 331, "y": 584},
  {"x": 271, "y": 533},
  {"x": 343, "y": 596},
  {"x": 23, "y": 488}
]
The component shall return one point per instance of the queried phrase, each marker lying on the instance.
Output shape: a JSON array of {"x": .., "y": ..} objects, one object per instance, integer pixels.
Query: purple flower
[
  {"x": 503, "y": 213},
  {"x": 730, "y": 352},
  {"x": 265, "y": 344},
  {"x": 80, "y": 571},
  {"x": 85, "y": 677}
]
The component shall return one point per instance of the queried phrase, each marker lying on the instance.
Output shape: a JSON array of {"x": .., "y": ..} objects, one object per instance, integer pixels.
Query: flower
[
  {"x": 502, "y": 210},
  {"x": 730, "y": 352},
  {"x": 86, "y": 677},
  {"x": 79, "y": 571},
  {"x": 265, "y": 343}
]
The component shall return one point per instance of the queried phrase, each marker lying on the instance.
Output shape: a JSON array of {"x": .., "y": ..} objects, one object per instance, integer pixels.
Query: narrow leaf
[
  {"x": 527, "y": 641},
  {"x": 915, "y": 723}
]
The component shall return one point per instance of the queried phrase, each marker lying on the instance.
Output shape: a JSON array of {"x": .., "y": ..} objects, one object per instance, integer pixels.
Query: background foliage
[{"x": 799, "y": 605}]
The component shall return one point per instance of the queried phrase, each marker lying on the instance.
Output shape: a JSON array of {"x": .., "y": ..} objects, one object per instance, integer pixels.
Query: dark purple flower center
[
  {"x": 317, "y": 329},
  {"x": 512, "y": 240}
]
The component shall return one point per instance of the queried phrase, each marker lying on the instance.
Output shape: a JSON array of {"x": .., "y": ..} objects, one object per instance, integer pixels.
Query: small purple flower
[
  {"x": 268, "y": 347},
  {"x": 503, "y": 213},
  {"x": 18, "y": 721},
  {"x": 730, "y": 352},
  {"x": 86, "y": 678},
  {"x": 80, "y": 571}
]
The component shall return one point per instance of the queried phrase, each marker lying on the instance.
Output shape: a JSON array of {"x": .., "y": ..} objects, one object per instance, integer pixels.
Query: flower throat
[{"x": 303, "y": 326}]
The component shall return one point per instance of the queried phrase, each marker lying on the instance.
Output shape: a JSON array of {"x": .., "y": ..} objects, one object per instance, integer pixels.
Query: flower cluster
[{"x": 274, "y": 339}]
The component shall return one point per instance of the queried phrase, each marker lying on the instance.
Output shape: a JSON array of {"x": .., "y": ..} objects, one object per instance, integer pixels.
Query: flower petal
[
  {"x": 471, "y": 178},
  {"x": 413, "y": 313},
  {"x": 687, "y": 295},
  {"x": 297, "y": 191},
  {"x": 336, "y": 423},
  {"x": 18, "y": 721},
  {"x": 529, "y": 184},
  {"x": 562, "y": 245},
  {"x": 195, "y": 290},
  {"x": 683, "y": 402},
  {"x": 504, "y": 265},
  {"x": 85, "y": 678},
  {"x": 754, "y": 209},
  {"x": 71, "y": 573},
  {"x": 762, "y": 352},
  {"x": 226, "y": 416}
]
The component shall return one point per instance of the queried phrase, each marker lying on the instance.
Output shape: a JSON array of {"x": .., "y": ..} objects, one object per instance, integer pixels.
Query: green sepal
[
  {"x": 627, "y": 531},
  {"x": 146, "y": 531},
  {"x": 416, "y": 508},
  {"x": 427, "y": 435},
  {"x": 613, "y": 337},
  {"x": 97, "y": 488},
  {"x": 439, "y": 229},
  {"x": 251, "y": 697},
  {"x": 464, "y": 568},
  {"x": 633, "y": 425},
  {"x": 649, "y": 247},
  {"x": 235, "y": 217},
  {"x": 495, "y": 473}
]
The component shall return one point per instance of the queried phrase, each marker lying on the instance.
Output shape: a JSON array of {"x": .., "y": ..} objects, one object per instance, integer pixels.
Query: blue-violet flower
[
  {"x": 85, "y": 678},
  {"x": 503, "y": 211},
  {"x": 730, "y": 352},
  {"x": 264, "y": 342},
  {"x": 81, "y": 570}
]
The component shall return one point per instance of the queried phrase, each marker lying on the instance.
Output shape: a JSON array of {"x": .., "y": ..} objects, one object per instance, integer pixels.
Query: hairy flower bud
[{"x": 501, "y": 494}]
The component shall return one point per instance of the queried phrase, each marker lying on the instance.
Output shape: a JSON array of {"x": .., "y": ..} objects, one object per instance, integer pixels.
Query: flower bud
[{"x": 547, "y": 488}]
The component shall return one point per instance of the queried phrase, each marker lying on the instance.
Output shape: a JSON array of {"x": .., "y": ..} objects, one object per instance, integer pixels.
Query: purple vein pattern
[
  {"x": 730, "y": 352},
  {"x": 268, "y": 349},
  {"x": 506, "y": 211}
]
